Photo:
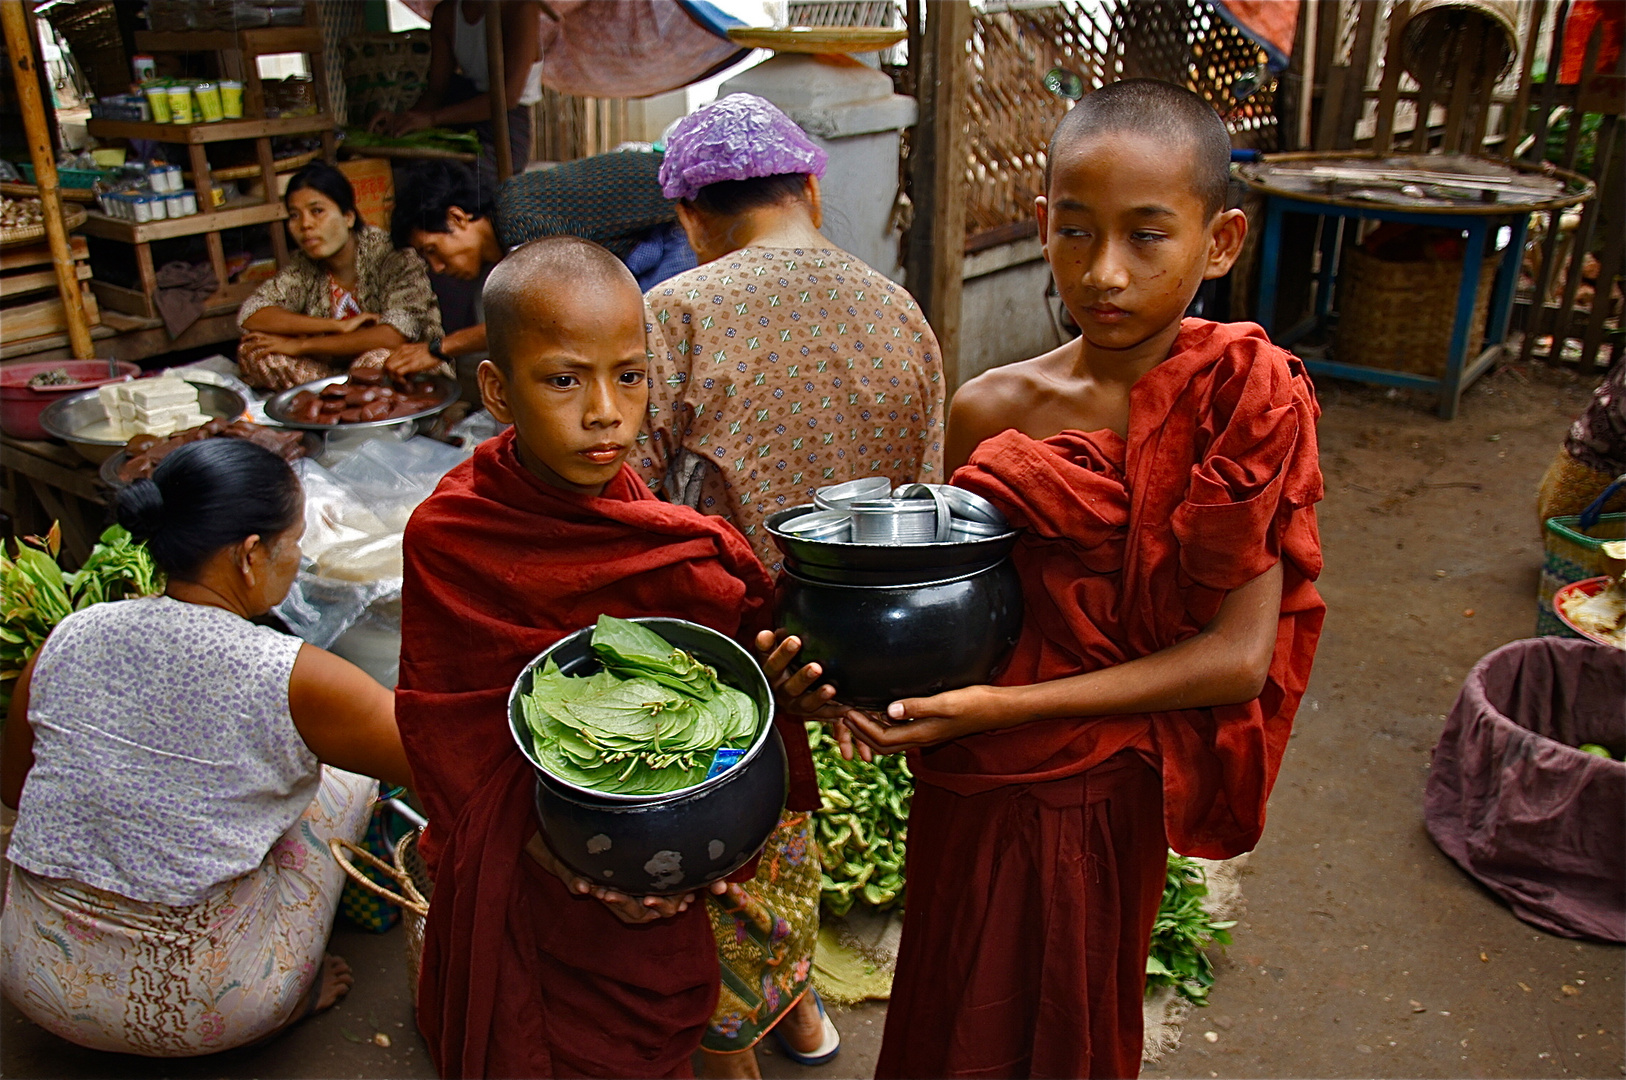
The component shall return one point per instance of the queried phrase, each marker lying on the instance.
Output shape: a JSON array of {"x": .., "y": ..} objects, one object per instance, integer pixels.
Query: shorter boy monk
[
  {"x": 1162, "y": 472},
  {"x": 529, "y": 970}
]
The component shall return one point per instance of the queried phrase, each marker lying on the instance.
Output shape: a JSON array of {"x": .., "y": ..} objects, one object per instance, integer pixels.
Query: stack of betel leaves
[{"x": 652, "y": 721}]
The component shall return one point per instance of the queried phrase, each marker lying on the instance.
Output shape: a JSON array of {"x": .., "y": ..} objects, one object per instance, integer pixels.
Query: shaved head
[
  {"x": 528, "y": 290},
  {"x": 1171, "y": 114}
]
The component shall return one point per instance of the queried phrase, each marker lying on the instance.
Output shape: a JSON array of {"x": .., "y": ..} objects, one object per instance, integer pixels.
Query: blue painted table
[{"x": 1482, "y": 221}]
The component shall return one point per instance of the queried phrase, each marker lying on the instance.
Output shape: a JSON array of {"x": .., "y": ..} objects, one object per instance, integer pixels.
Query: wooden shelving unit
[{"x": 236, "y": 53}]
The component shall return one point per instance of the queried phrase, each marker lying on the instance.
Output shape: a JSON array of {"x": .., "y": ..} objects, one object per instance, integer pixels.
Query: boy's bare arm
[{"x": 1225, "y": 663}]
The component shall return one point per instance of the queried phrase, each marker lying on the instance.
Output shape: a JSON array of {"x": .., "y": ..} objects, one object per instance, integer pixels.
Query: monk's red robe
[
  {"x": 520, "y": 978},
  {"x": 1036, "y": 854}
]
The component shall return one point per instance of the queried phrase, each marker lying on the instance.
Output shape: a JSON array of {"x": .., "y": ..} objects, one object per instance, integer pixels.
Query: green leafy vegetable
[
  {"x": 863, "y": 827},
  {"x": 649, "y": 722},
  {"x": 1182, "y": 934},
  {"x": 35, "y": 594}
]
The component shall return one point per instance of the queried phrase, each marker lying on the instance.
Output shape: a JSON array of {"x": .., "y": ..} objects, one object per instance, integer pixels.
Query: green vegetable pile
[
  {"x": 864, "y": 825},
  {"x": 35, "y": 593},
  {"x": 460, "y": 142},
  {"x": 648, "y": 723},
  {"x": 1182, "y": 932}
]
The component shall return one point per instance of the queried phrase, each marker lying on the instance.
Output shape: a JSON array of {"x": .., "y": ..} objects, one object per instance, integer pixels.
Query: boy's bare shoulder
[{"x": 998, "y": 399}]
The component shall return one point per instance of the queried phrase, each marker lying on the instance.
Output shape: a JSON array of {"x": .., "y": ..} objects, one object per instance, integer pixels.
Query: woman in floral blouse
[{"x": 347, "y": 295}]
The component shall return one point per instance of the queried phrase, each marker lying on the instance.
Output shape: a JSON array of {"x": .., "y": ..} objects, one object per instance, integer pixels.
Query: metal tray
[
  {"x": 276, "y": 408},
  {"x": 63, "y": 419}
]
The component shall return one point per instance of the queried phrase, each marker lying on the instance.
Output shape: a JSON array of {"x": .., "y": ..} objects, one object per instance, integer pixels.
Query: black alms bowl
[
  {"x": 881, "y": 642},
  {"x": 662, "y": 845}
]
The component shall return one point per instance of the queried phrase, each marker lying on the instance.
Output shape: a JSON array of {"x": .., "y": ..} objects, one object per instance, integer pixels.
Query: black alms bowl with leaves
[{"x": 661, "y": 845}]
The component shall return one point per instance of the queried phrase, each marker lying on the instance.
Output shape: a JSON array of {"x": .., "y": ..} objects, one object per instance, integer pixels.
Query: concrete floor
[{"x": 1364, "y": 951}]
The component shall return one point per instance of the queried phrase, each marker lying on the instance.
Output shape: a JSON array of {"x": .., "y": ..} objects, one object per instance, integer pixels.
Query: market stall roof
[{"x": 634, "y": 48}]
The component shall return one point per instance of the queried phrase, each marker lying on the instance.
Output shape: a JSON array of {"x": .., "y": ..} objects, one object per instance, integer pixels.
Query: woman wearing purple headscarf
[{"x": 781, "y": 364}]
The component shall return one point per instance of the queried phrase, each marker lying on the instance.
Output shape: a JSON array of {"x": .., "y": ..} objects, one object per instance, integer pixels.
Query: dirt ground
[{"x": 1364, "y": 951}]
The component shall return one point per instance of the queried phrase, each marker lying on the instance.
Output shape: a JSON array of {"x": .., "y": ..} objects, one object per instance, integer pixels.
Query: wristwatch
[{"x": 434, "y": 349}]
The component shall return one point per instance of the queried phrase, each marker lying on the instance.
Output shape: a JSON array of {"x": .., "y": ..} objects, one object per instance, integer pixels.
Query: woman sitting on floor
[
  {"x": 346, "y": 295},
  {"x": 177, "y": 773}
]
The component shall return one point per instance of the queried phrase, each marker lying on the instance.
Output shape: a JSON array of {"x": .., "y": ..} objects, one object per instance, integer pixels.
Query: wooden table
[
  {"x": 46, "y": 482},
  {"x": 1358, "y": 186}
]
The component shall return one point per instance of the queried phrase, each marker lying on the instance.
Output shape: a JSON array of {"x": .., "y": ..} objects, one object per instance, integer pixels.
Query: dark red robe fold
[
  {"x": 1128, "y": 547},
  {"x": 520, "y": 978}
]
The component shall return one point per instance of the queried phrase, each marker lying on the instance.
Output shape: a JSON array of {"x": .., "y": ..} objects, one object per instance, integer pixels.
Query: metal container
[
  {"x": 826, "y": 560},
  {"x": 965, "y": 504},
  {"x": 841, "y": 496},
  {"x": 833, "y": 526},
  {"x": 679, "y": 841},
  {"x": 898, "y": 521},
  {"x": 65, "y": 419},
  {"x": 878, "y": 643},
  {"x": 277, "y": 409}
]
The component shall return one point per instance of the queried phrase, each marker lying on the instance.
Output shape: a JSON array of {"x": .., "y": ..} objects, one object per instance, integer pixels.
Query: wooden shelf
[
  {"x": 234, "y": 214},
  {"x": 258, "y": 41},
  {"x": 219, "y": 131}
]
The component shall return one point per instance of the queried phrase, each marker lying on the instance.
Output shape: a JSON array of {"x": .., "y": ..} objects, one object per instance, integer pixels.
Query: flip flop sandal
[{"x": 829, "y": 1045}]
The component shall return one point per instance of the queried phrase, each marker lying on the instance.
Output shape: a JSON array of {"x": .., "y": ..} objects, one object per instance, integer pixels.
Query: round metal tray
[
  {"x": 277, "y": 407},
  {"x": 65, "y": 418}
]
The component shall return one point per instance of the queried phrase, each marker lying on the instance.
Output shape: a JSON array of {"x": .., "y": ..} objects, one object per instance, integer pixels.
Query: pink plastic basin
[{"x": 21, "y": 405}]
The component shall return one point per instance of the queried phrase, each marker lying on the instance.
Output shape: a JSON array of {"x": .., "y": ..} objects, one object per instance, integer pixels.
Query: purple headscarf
[{"x": 738, "y": 137}]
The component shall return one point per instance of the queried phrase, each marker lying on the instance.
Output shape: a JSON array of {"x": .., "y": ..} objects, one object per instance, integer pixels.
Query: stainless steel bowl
[
  {"x": 277, "y": 409},
  {"x": 66, "y": 418}
]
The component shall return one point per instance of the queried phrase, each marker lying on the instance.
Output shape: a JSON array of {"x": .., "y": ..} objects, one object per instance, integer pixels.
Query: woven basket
[
  {"x": 1398, "y": 315},
  {"x": 72, "y": 218},
  {"x": 410, "y": 876},
  {"x": 1571, "y": 554}
]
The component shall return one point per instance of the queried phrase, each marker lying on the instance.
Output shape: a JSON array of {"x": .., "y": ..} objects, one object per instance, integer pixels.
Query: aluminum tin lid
[
  {"x": 833, "y": 525},
  {"x": 965, "y": 504},
  {"x": 839, "y": 496}
]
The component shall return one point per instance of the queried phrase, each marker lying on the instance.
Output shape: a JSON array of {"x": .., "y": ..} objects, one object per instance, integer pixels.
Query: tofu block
[
  {"x": 188, "y": 421},
  {"x": 164, "y": 397},
  {"x": 165, "y": 426},
  {"x": 161, "y": 412},
  {"x": 126, "y": 409},
  {"x": 109, "y": 397}
]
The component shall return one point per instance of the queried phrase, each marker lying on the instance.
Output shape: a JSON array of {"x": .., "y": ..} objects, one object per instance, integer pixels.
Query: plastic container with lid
[
  {"x": 157, "y": 206},
  {"x": 189, "y": 200},
  {"x": 231, "y": 98},
  {"x": 158, "y": 98},
  {"x": 208, "y": 96},
  {"x": 143, "y": 208},
  {"x": 176, "y": 202},
  {"x": 180, "y": 104}
]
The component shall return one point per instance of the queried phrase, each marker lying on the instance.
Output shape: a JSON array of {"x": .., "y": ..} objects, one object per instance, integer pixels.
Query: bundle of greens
[
  {"x": 35, "y": 594},
  {"x": 1182, "y": 934},
  {"x": 460, "y": 142},
  {"x": 864, "y": 825},
  {"x": 650, "y": 722}
]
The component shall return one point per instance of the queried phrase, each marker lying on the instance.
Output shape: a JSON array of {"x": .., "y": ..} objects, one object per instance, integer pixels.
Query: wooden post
[
  {"x": 935, "y": 271},
  {"x": 496, "y": 72},
  {"x": 24, "y": 76}
]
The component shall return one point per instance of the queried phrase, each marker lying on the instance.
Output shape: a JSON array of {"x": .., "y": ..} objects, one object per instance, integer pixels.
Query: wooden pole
[
  {"x": 499, "y": 98},
  {"x": 25, "y": 77},
  {"x": 935, "y": 272}
]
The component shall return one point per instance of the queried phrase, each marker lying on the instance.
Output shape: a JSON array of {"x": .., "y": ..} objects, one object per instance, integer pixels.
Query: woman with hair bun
[
  {"x": 346, "y": 295},
  {"x": 177, "y": 772}
]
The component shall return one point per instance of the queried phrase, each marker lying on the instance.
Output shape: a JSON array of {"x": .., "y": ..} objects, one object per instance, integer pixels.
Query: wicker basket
[
  {"x": 1571, "y": 554},
  {"x": 411, "y": 877},
  {"x": 1398, "y": 315}
]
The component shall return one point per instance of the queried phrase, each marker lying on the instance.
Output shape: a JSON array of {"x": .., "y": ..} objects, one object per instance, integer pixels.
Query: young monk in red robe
[
  {"x": 1163, "y": 473},
  {"x": 529, "y": 970}
]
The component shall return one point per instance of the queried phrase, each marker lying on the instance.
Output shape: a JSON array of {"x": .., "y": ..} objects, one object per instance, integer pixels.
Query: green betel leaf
[{"x": 649, "y": 723}]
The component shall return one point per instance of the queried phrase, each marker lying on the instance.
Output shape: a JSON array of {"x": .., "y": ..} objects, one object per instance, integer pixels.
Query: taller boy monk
[
  {"x": 1163, "y": 473},
  {"x": 527, "y": 969}
]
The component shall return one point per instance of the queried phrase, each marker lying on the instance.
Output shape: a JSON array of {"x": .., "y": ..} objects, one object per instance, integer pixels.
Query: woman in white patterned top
[{"x": 177, "y": 771}]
